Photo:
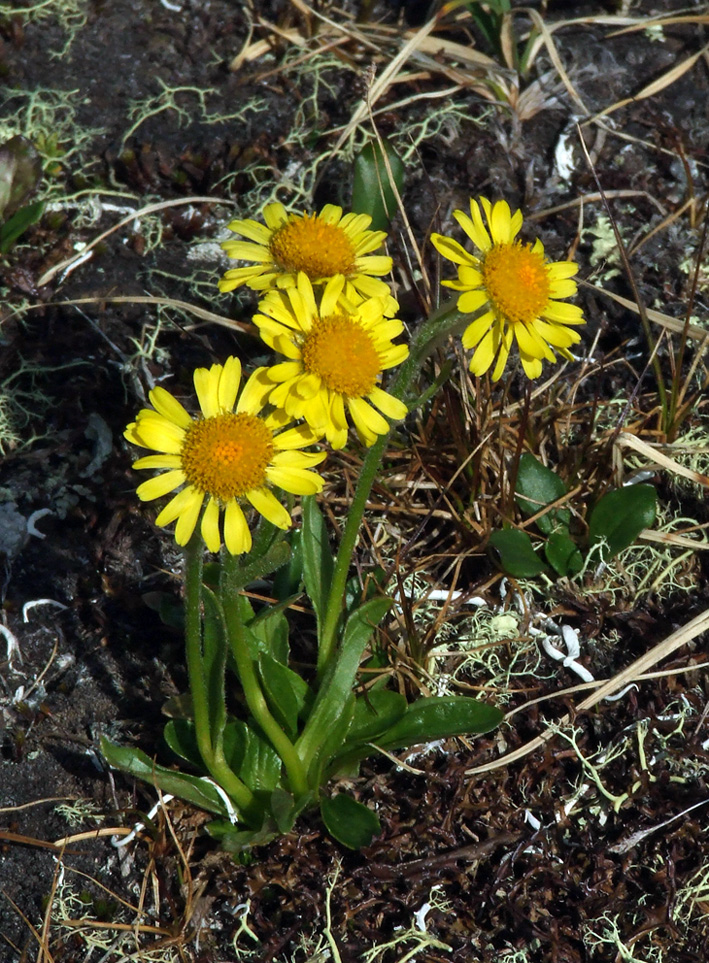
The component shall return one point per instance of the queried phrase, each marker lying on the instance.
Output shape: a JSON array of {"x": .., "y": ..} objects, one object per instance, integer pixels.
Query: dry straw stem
[
  {"x": 633, "y": 673},
  {"x": 657, "y": 458},
  {"x": 198, "y": 312},
  {"x": 674, "y": 325}
]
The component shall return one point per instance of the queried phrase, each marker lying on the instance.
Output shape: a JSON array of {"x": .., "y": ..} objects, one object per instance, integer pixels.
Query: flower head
[
  {"x": 227, "y": 456},
  {"x": 321, "y": 245},
  {"x": 336, "y": 351},
  {"x": 516, "y": 289}
]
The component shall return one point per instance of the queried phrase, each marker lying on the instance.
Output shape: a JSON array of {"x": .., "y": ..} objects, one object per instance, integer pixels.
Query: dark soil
[{"x": 95, "y": 659}]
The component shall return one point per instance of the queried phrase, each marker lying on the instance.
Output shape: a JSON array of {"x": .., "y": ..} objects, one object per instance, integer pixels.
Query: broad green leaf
[
  {"x": 251, "y": 757},
  {"x": 349, "y": 822},
  {"x": 179, "y": 734},
  {"x": 538, "y": 486},
  {"x": 318, "y": 562},
  {"x": 517, "y": 557},
  {"x": 286, "y": 692},
  {"x": 620, "y": 516},
  {"x": 190, "y": 788},
  {"x": 375, "y": 712},
  {"x": 12, "y": 229},
  {"x": 271, "y": 628},
  {"x": 563, "y": 555},
  {"x": 372, "y": 191},
  {"x": 439, "y": 717}
]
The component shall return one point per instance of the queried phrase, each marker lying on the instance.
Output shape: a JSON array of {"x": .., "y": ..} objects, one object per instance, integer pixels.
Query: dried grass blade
[{"x": 697, "y": 626}]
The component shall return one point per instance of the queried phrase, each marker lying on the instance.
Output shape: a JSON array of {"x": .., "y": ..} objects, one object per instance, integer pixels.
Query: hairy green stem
[
  {"x": 212, "y": 756},
  {"x": 250, "y": 684},
  {"x": 433, "y": 331}
]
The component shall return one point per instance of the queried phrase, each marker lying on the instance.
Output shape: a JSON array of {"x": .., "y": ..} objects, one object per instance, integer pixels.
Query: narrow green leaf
[
  {"x": 318, "y": 563},
  {"x": 288, "y": 579},
  {"x": 438, "y": 718},
  {"x": 563, "y": 555},
  {"x": 11, "y": 230},
  {"x": 620, "y": 516},
  {"x": 538, "y": 486},
  {"x": 361, "y": 624},
  {"x": 349, "y": 822},
  {"x": 372, "y": 191},
  {"x": 190, "y": 788},
  {"x": 516, "y": 555}
]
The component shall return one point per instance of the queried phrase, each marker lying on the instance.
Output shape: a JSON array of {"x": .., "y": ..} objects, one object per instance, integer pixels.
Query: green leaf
[
  {"x": 18, "y": 224},
  {"x": 286, "y": 692},
  {"x": 517, "y": 557},
  {"x": 170, "y": 609},
  {"x": 214, "y": 654},
  {"x": 252, "y": 567},
  {"x": 374, "y": 713},
  {"x": 270, "y": 628},
  {"x": 563, "y": 555},
  {"x": 372, "y": 191},
  {"x": 288, "y": 579},
  {"x": 318, "y": 562},
  {"x": 620, "y": 516},
  {"x": 360, "y": 626},
  {"x": 439, "y": 717},
  {"x": 252, "y": 758},
  {"x": 349, "y": 822},
  {"x": 538, "y": 486},
  {"x": 179, "y": 734},
  {"x": 190, "y": 788},
  {"x": 331, "y": 742}
]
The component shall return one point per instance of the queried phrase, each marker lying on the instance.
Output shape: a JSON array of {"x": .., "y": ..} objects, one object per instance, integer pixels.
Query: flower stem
[
  {"x": 439, "y": 326},
  {"x": 213, "y": 760},
  {"x": 250, "y": 684}
]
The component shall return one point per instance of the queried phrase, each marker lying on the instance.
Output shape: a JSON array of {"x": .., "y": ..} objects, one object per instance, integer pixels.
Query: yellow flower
[
  {"x": 321, "y": 245},
  {"x": 226, "y": 456},
  {"x": 516, "y": 288},
  {"x": 337, "y": 349}
]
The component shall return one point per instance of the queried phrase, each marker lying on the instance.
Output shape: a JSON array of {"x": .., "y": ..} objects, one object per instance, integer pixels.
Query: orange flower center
[
  {"x": 516, "y": 279},
  {"x": 344, "y": 355},
  {"x": 227, "y": 455},
  {"x": 312, "y": 245}
]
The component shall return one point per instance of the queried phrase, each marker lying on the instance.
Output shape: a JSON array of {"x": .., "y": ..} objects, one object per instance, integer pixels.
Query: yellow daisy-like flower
[
  {"x": 226, "y": 456},
  {"x": 336, "y": 350},
  {"x": 320, "y": 245},
  {"x": 517, "y": 289}
]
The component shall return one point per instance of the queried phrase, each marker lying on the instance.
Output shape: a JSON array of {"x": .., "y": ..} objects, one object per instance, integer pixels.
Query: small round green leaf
[{"x": 351, "y": 823}]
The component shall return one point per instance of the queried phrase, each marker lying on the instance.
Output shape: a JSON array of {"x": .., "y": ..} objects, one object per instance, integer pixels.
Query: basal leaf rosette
[
  {"x": 519, "y": 292},
  {"x": 320, "y": 246},
  {"x": 229, "y": 455},
  {"x": 337, "y": 349}
]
